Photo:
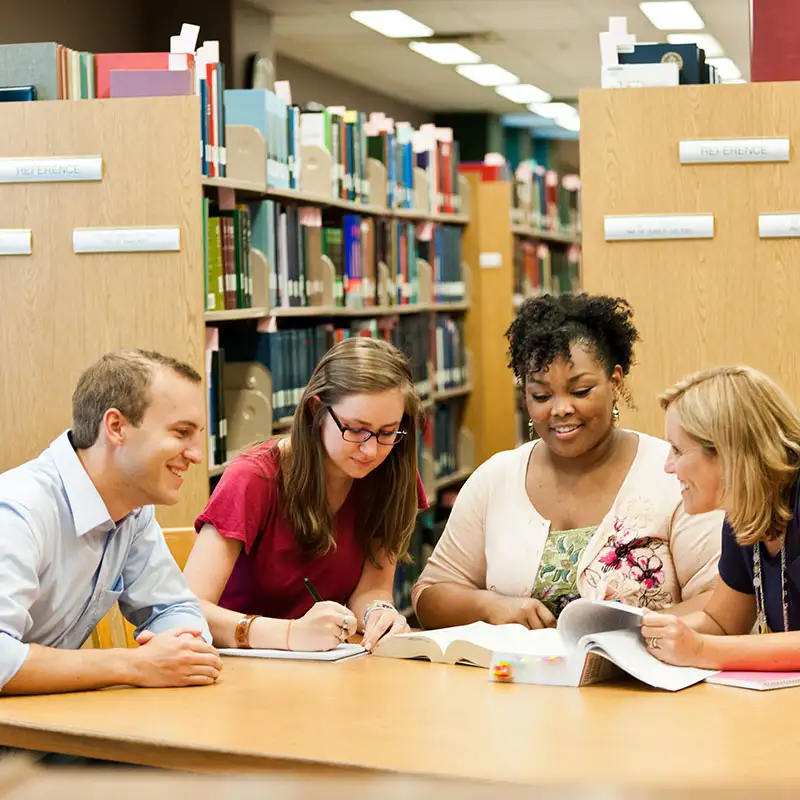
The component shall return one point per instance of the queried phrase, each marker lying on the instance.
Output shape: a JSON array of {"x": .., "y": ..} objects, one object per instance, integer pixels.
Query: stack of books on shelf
[
  {"x": 443, "y": 253},
  {"x": 546, "y": 201},
  {"x": 291, "y": 354},
  {"x": 53, "y": 72},
  {"x": 228, "y": 243},
  {"x": 540, "y": 268},
  {"x": 45, "y": 71},
  {"x": 414, "y": 166},
  {"x": 445, "y": 441},
  {"x": 308, "y": 249},
  {"x": 451, "y": 370},
  {"x": 217, "y": 427}
]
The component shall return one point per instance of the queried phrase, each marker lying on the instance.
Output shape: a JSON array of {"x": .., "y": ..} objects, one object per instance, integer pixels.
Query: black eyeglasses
[{"x": 360, "y": 435}]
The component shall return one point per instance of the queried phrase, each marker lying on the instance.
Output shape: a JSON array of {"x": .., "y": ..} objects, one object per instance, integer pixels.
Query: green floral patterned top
[{"x": 557, "y": 582}]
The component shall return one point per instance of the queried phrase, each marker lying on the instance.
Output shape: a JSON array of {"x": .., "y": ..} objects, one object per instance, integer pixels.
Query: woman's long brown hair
[{"x": 388, "y": 495}]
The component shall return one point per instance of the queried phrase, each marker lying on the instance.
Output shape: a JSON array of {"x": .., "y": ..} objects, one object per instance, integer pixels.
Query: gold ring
[{"x": 653, "y": 644}]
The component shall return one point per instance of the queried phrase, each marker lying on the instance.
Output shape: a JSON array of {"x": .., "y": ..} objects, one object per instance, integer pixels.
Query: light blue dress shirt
[{"x": 64, "y": 562}]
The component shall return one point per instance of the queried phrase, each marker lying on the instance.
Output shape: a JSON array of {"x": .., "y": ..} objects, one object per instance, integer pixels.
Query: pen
[{"x": 314, "y": 592}]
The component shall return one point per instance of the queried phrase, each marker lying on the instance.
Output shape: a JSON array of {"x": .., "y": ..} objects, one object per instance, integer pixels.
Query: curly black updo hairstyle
[{"x": 546, "y": 326}]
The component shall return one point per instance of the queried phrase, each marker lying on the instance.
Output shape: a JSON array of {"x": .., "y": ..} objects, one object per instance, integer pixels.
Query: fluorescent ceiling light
[
  {"x": 487, "y": 74},
  {"x": 728, "y": 71},
  {"x": 524, "y": 93},
  {"x": 705, "y": 41},
  {"x": 392, "y": 23},
  {"x": 553, "y": 110},
  {"x": 445, "y": 52},
  {"x": 673, "y": 15},
  {"x": 569, "y": 123}
]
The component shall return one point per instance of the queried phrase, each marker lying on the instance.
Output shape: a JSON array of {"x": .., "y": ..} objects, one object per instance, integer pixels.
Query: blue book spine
[{"x": 203, "y": 128}]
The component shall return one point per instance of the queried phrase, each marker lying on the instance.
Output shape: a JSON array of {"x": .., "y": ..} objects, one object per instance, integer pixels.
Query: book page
[
  {"x": 519, "y": 640},
  {"x": 504, "y": 638},
  {"x": 515, "y": 641},
  {"x": 480, "y": 633},
  {"x": 582, "y": 617},
  {"x": 627, "y": 650}
]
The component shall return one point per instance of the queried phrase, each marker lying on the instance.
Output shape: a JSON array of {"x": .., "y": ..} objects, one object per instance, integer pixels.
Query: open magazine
[{"x": 591, "y": 639}]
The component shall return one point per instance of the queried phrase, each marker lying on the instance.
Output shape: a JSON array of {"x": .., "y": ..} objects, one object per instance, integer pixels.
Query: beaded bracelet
[
  {"x": 241, "y": 633},
  {"x": 374, "y": 606}
]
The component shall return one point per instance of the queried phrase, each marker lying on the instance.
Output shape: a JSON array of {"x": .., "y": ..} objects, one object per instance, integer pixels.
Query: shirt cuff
[
  {"x": 13, "y": 653},
  {"x": 179, "y": 619}
]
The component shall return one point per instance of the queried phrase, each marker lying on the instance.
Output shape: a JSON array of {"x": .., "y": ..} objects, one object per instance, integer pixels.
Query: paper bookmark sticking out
[{"x": 615, "y": 40}]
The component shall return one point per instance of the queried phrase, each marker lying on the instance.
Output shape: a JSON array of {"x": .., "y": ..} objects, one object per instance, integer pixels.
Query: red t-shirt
[{"x": 267, "y": 578}]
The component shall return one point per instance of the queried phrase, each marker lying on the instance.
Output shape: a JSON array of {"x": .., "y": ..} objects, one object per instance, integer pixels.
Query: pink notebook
[{"x": 756, "y": 680}]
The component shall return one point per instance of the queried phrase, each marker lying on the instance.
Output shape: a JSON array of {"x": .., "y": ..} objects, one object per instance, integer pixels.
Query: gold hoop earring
[
  {"x": 530, "y": 430},
  {"x": 615, "y": 414}
]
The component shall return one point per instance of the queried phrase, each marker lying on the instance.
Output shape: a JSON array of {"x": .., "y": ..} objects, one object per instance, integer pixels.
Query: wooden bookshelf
[
  {"x": 237, "y": 314},
  {"x": 251, "y": 189},
  {"x": 413, "y": 214},
  {"x": 451, "y": 394},
  {"x": 248, "y": 190},
  {"x": 61, "y": 310},
  {"x": 452, "y": 479},
  {"x": 544, "y": 235},
  {"x": 704, "y": 302},
  {"x": 328, "y": 312},
  {"x": 490, "y": 412}
]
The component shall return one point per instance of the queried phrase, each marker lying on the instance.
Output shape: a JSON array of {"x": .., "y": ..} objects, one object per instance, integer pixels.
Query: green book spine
[{"x": 209, "y": 298}]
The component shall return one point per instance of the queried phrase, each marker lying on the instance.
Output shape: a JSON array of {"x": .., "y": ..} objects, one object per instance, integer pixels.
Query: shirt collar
[{"x": 89, "y": 512}]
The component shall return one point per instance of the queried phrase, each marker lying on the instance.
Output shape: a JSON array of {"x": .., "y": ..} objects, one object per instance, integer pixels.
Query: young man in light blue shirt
[{"x": 78, "y": 532}]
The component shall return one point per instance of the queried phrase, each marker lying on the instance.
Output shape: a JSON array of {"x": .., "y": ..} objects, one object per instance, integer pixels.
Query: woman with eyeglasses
[{"x": 333, "y": 503}]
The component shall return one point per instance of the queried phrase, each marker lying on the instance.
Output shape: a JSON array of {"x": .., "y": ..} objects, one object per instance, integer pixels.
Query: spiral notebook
[
  {"x": 339, "y": 653},
  {"x": 761, "y": 681}
]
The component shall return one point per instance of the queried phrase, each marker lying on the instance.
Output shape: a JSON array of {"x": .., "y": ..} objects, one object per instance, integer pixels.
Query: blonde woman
[
  {"x": 735, "y": 439},
  {"x": 335, "y": 502}
]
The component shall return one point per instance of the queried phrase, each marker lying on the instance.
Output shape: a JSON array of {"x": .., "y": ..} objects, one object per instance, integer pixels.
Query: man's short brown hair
[{"x": 120, "y": 380}]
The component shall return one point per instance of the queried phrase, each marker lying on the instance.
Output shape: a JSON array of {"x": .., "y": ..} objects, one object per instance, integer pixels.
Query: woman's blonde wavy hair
[{"x": 745, "y": 418}]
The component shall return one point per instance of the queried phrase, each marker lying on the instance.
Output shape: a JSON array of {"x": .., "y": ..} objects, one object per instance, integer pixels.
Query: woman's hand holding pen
[{"x": 323, "y": 627}]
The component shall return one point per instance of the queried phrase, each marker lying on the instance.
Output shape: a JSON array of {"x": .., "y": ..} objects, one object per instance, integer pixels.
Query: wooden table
[
  {"x": 420, "y": 718},
  {"x": 21, "y": 781}
]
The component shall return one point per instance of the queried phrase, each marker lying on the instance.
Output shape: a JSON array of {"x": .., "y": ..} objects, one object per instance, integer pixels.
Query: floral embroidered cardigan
[{"x": 647, "y": 550}]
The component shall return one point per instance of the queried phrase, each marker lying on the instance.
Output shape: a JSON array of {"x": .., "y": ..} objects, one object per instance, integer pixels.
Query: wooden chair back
[{"x": 114, "y": 630}]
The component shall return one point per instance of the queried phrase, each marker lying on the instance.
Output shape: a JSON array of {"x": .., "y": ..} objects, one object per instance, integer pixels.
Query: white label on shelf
[
  {"x": 623, "y": 76},
  {"x": 490, "y": 260},
  {"x": 16, "y": 242},
  {"x": 733, "y": 151},
  {"x": 57, "y": 169},
  {"x": 776, "y": 226},
  {"x": 126, "y": 240},
  {"x": 661, "y": 226}
]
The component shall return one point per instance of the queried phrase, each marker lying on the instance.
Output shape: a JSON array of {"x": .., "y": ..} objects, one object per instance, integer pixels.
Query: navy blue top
[{"x": 736, "y": 569}]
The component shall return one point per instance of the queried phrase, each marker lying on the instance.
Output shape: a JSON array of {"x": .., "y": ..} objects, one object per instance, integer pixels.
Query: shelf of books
[{"x": 546, "y": 225}]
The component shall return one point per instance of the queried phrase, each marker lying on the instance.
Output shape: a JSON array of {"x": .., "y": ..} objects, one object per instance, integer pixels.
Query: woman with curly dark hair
[{"x": 586, "y": 508}]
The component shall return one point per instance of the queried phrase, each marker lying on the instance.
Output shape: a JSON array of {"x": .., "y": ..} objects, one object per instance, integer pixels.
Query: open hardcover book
[{"x": 593, "y": 637}]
